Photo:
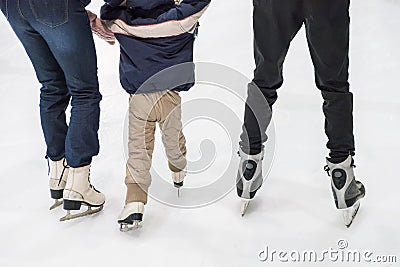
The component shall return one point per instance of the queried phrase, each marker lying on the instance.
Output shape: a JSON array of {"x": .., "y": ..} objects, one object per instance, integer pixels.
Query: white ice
[{"x": 294, "y": 209}]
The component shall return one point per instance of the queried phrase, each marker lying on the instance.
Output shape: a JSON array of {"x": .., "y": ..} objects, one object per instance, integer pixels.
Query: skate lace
[
  {"x": 63, "y": 171},
  {"x": 327, "y": 169},
  {"x": 90, "y": 184},
  {"x": 48, "y": 164}
]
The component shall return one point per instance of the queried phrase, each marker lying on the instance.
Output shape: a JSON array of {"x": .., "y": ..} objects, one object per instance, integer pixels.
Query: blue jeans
[{"x": 57, "y": 38}]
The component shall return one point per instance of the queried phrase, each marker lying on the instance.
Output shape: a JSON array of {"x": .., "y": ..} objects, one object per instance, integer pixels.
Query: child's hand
[{"x": 99, "y": 28}]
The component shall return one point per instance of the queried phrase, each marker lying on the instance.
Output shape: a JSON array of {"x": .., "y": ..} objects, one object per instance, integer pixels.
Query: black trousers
[{"x": 276, "y": 22}]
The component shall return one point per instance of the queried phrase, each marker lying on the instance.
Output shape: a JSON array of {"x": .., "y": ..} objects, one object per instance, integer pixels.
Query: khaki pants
[{"x": 145, "y": 110}]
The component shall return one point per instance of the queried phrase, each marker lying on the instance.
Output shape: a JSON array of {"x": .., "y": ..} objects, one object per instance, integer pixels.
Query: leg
[
  {"x": 172, "y": 136},
  {"x": 141, "y": 146},
  {"x": 276, "y": 22},
  {"x": 43, "y": 43},
  {"x": 54, "y": 96},
  {"x": 328, "y": 37},
  {"x": 142, "y": 124}
]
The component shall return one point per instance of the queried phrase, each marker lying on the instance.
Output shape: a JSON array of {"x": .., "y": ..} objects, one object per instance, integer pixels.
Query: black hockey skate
[
  {"x": 249, "y": 178},
  {"x": 347, "y": 191}
]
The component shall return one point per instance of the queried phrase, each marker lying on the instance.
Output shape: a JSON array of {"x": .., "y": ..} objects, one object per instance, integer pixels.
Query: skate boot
[
  {"x": 347, "y": 191},
  {"x": 249, "y": 178},
  {"x": 79, "y": 191},
  {"x": 178, "y": 178},
  {"x": 58, "y": 172},
  {"x": 131, "y": 216}
]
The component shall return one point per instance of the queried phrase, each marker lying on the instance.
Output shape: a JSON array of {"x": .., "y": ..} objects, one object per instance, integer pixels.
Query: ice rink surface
[{"x": 294, "y": 211}]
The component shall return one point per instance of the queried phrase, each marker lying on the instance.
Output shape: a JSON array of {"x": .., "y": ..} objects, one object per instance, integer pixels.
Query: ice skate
[
  {"x": 79, "y": 191},
  {"x": 131, "y": 216},
  {"x": 178, "y": 178},
  {"x": 58, "y": 173},
  {"x": 249, "y": 178},
  {"x": 347, "y": 191}
]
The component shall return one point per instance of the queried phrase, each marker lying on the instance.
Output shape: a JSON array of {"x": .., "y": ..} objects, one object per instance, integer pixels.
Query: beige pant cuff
[
  {"x": 178, "y": 167},
  {"x": 136, "y": 193}
]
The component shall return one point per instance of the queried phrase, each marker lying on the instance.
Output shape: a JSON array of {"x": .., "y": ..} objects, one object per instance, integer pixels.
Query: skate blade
[
  {"x": 126, "y": 227},
  {"x": 89, "y": 211},
  {"x": 245, "y": 205},
  {"x": 56, "y": 204},
  {"x": 350, "y": 213}
]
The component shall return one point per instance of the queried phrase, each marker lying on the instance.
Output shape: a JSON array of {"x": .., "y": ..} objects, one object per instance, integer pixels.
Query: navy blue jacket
[{"x": 155, "y": 35}]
